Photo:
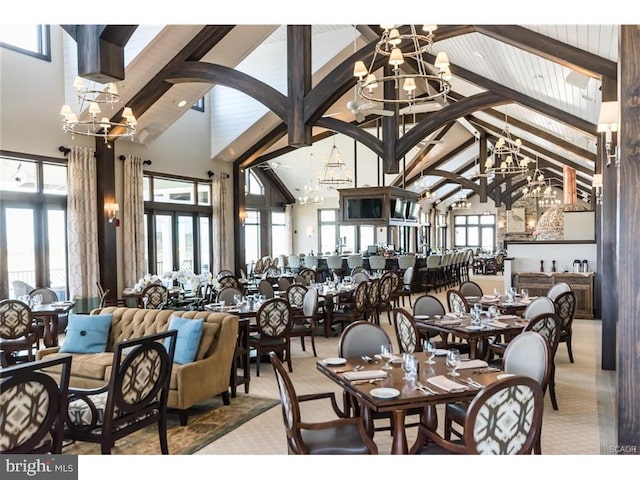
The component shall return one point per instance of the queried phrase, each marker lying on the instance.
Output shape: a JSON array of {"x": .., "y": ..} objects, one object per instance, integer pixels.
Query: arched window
[{"x": 253, "y": 184}]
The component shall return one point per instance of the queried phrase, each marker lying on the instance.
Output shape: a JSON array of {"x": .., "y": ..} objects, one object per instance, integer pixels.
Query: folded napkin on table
[
  {"x": 365, "y": 374},
  {"x": 506, "y": 317},
  {"x": 449, "y": 321},
  {"x": 489, "y": 298},
  {"x": 447, "y": 385},
  {"x": 475, "y": 363},
  {"x": 395, "y": 359},
  {"x": 497, "y": 323}
]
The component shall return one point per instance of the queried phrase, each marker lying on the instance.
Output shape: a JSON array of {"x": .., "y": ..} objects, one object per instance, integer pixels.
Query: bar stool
[
  {"x": 377, "y": 263},
  {"x": 354, "y": 261},
  {"x": 334, "y": 263}
]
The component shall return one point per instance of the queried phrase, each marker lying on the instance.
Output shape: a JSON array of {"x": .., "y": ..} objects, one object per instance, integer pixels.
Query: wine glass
[
  {"x": 386, "y": 352},
  {"x": 524, "y": 293},
  {"x": 430, "y": 348},
  {"x": 457, "y": 310},
  {"x": 496, "y": 293},
  {"x": 237, "y": 298},
  {"x": 453, "y": 361},
  {"x": 409, "y": 366},
  {"x": 145, "y": 301}
]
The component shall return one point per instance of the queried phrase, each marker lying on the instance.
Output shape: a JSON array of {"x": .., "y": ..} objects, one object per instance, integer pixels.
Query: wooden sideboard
[{"x": 538, "y": 284}]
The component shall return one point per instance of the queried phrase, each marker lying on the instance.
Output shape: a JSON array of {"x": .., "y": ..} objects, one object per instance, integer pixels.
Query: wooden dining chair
[
  {"x": 340, "y": 436},
  {"x": 504, "y": 418},
  {"x": 406, "y": 330},
  {"x": 470, "y": 289},
  {"x": 565, "y": 308},
  {"x": 305, "y": 320},
  {"x": 33, "y": 407},
  {"x": 18, "y": 332},
  {"x": 157, "y": 296},
  {"x": 274, "y": 322}
]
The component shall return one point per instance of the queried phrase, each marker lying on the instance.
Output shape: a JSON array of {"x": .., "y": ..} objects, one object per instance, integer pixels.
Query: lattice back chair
[
  {"x": 353, "y": 311},
  {"x": 456, "y": 300},
  {"x": 17, "y": 331},
  {"x": 373, "y": 298},
  {"x": 228, "y": 295},
  {"x": 228, "y": 281},
  {"x": 504, "y": 418},
  {"x": 295, "y": 296},
  {"x": 396, "y": 285},
  {"x": 223, "y": 273},
  {"x": 135, "y": 397},
  {"x": 304, "y": 321},
  {"x": 527, "y": 354},
  {"x": 265, "y": 288},
  {"x": 565, "y": 308},
  {"x": 274, "y": 321},
  {"x": 557, "y": 289},
  {"x": 406, "y": 329},
  {"x": 156, "y": 295},
  {"x": 385, "y": 299},
  {"x": 343, "y": 435},
  {"x": 470, "y": 289},
  {"x": 549, "y": 326},
  {"x": 258, "y": 268},
  {"x": 33, "y": 407},
  {"x": 309, "y": 275}
]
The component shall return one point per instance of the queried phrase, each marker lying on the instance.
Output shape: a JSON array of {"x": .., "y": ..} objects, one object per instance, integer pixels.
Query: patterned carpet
[{"x": 207, "y": 422}]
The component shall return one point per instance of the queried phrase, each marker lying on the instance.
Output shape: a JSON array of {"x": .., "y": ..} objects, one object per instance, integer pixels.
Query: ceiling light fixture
[
  {"x": 398, "y": 47},
  {"x": 461, "y": 203},
  {"x": 335, "y": 170},
  {"x": 97, "y": 125},
  {"x": 311, "y": 194},
  {"x": 182, "y": 103},
  {"x": 506, "y": 158}
]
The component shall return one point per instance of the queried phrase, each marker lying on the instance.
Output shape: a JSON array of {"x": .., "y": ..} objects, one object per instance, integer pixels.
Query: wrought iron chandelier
[
  {"x": 537, "y": 186},
  {"x": 461, "y": 203},
  {"x": 335, "y": 170},
  {"x": 506, "y": 158},
  {"x": 549, "y": 202},
  {"x": 98, "y": 125},
  {"x": 398, "y": 47}
]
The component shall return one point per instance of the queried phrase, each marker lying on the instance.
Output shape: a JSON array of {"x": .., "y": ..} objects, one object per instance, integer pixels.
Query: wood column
[
  {"x": 629, "y": 233},
  {"x": 299, "y": 83},
  {"x": 570, "y": 192},
  {"x": 239, "y": 208},
  {"x": 606, "y": 282},
  {"x": 482, "y": 157},
  {"x": 106, "y": 193}
]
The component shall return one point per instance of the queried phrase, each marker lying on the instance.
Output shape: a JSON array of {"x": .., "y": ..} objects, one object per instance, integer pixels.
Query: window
[
  {"x": 33, "y": 224},
  {"x": 327, "y": 231},
  {"x": 346, "y": 238},
  {"x": 474, "y": 231},
  {"x": 252, "y": 236},
  {"x": 34, "y": 40},
  {"x": 177, "y": 224},
  {"x": 199, "y": 105},
  {"x": 253, "y": 184},
  {"x": 278, "y": 234}
]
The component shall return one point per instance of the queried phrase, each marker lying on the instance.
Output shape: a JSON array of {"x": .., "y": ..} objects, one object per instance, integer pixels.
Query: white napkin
[
  {"x": 489, "y": 298},
  {"x": 447, "y": 385},
  {"x": 506, "y": 317},
  {"x": 475, "y": 363},
  {"x": 498, "y": 323},
  {"x": 365, "y": 374},
  {"x": 450, "y": 321}
]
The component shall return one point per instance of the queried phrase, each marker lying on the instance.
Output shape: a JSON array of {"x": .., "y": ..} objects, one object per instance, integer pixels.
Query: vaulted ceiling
[{"x": 269, "y": 95}]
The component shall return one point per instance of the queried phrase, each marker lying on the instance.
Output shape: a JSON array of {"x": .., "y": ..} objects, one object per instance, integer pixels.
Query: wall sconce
[
  {"x": 597, "y": 185},
  {"x": 607, "y": 123},
  {"x": 243, "y": 217},
  {"x": 111, "y": 209}
]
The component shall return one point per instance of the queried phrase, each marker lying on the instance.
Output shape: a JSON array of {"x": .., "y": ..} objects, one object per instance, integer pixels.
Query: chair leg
[
  {"x": 258, "y": 355},
  {"x": 569, "y": 350},
  {"x": 225, "y": 398},
  {"x": 552, "y": 388},
  {"x": 162, "y": 433},
  {"x": 313, "y": 339},
  {"x": 182, "y": 415}
]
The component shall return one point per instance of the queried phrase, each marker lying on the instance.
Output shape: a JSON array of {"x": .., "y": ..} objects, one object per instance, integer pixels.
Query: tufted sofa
[{"x": 205, "y": 377}]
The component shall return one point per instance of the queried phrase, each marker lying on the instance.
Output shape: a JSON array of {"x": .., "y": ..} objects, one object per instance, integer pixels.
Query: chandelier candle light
[
  {"x": 310, "y": 194},
  {"x": 398, "y": 47},
  {"x": 335, "y": 170},
  {"x": 98, "y": 125},
  {"x": 506, "y": 158}
]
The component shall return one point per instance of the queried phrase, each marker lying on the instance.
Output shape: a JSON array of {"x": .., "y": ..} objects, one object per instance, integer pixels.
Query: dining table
[
  {"x": 379, "y": 390},
  {"x": 46, "y": 315},
  {"x": 475, "y": 335},
  {"x": 501, "y": 302}
]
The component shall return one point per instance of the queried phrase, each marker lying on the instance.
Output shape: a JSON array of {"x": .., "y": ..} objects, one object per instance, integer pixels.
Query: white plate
[
  {"x": 474, "y": 328},
  {"x": 335, "y": 361},
  {"x": 505, "y": 375},
  {"x": 385, "y": 392},
  {"x": 441, "y": 352},
  {"x": 421, "y": 317}
]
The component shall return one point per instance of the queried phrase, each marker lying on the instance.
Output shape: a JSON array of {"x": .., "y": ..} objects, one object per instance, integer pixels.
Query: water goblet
[
  {"x": 457, "y": 310},
  {"x": 493, "y": 311},
  {"x": 409, "y": 366},
  {"x": 386, "y": 352},
  {"x": 524, "y": 293},
  {"x": 237, "y": 298},
  {"x": 453, "y": 361},
  {"x": 496, "y": 293},
  {"x": 145, "y": 301},
  {"x": 430, "y": 349}
]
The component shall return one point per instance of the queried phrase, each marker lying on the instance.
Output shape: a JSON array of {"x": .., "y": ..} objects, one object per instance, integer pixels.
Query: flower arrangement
[
  {"x": 146, "y": 280},
  {"x": 188, "y": 279}
]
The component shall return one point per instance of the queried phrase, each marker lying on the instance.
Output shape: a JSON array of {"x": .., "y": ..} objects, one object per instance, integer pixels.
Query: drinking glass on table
[
  {"x": 524, "y": 294},
  {"x": 453, "y": 361},
  {"x": 493, "y": 311},
  {"x": 237, "y": 298},
  {"x": 496, "y": 293},
  {"x": 145, "y": 301},
  {"x": 430, "y": 348},
  {"x": 386, "y": 353},
  {"x": 409, "y": 366}
]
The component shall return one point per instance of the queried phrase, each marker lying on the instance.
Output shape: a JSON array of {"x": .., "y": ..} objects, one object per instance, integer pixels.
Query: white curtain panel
[
  {"x": 221, "y": 255},
  {"x": 288, "y": 228},
  {"x": 84, "y": 267},
  {"x": 133, "y": 221}
]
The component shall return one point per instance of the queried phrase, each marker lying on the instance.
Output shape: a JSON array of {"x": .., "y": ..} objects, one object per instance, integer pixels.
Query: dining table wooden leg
[
  {"x": 473, "y": 347},
  {"x": 399, "y": 445},
  {"x": 367, "y": 417},
  {"x": 428, "y": 420}
]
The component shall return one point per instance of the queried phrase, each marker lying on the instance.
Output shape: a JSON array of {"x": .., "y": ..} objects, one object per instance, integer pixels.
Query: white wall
[{"x": 527, "y": 256}]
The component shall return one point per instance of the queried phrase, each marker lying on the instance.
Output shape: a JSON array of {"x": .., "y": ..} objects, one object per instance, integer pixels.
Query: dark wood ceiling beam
[
  {"x": 550, "y": 49},
  {"x": 298, "y": 83},
  {"x": 444, "y": 159},
  {"x": 118, "y": 34},
  {"x": 353, "y": 131},
  {"x": 246, "y": 159},
  {"x": 198, "y": 47}
]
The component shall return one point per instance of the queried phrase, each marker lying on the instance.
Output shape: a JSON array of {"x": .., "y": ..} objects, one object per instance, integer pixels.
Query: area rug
[{"x": 208, "y": 421}]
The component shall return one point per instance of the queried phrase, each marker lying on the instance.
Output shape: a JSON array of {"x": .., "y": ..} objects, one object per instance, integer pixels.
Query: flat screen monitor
[
  {"x": 413, "y": 211},
  {"x": 398, "y": 208},
  {"x": 372, "y": 249},
  {"x": 363, "y": 208}
]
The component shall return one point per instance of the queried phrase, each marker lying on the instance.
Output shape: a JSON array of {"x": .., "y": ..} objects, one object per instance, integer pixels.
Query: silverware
[
  {"x": 472, "y": 383},
  {"x": 369, "y": 380},
  {"x": 424, "y": 390},
  {"x": 357, "y": 368},
  {"x": 424, "y": 387}
]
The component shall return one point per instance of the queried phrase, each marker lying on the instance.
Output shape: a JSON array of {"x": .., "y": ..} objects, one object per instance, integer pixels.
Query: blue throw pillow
[
  {"x": 188, "y": 339},
  {"x": 87, "y": 333}
]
